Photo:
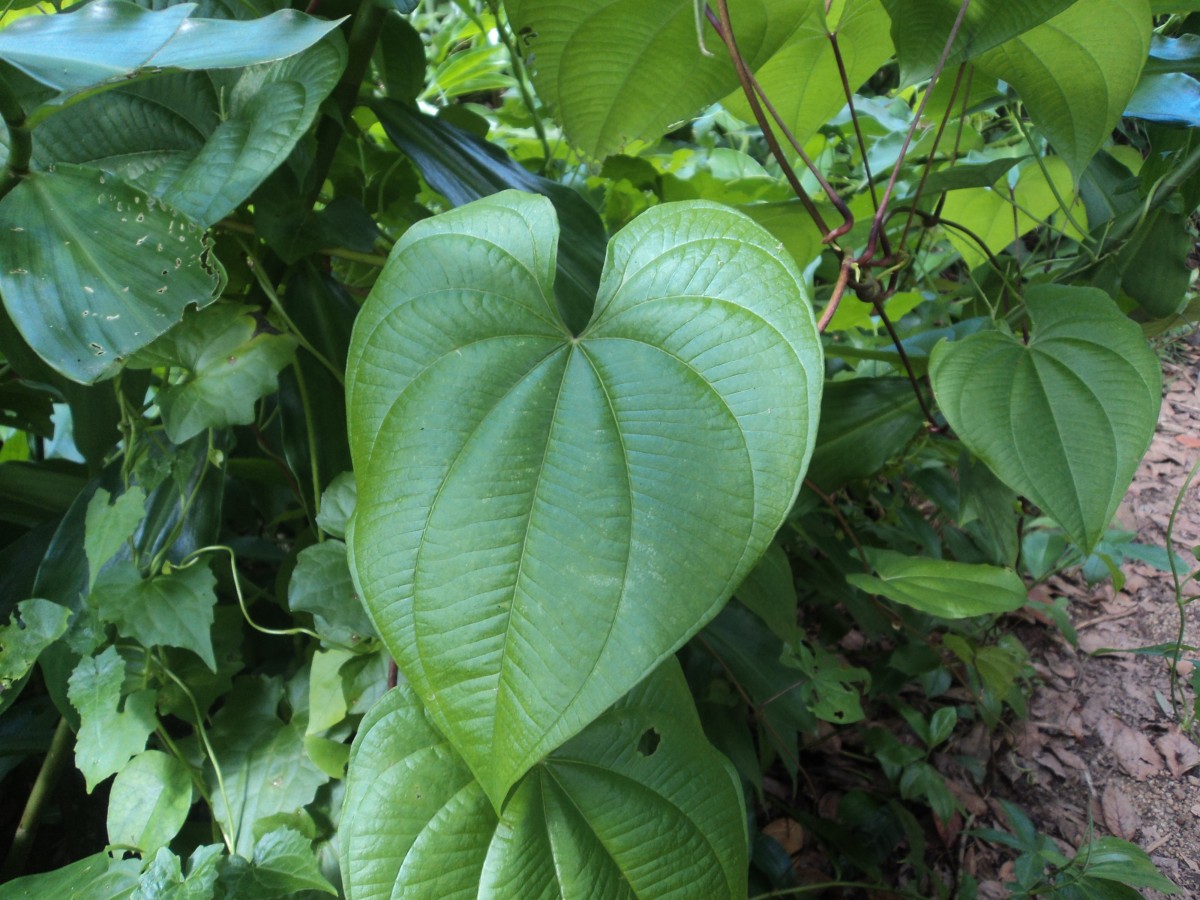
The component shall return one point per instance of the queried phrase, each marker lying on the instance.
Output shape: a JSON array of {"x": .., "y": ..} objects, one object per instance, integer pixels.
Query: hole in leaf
[{"x": 648, "y": 742}]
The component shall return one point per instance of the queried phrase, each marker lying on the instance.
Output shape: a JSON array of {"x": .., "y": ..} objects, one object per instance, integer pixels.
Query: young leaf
[
  {"x": 109, "y": 525},
  {"x": 939, "y": 587},
  {"x": 92, "y": 269},
  {"x": 619, "y": 71},
  {"x": 1078, "y": 98},
  {"x": 337, "y": 505},
  {"x": 108, "y": 736},
  {"x": 638, "y": 804},
  {"x": 149, "y": 801},
  {"x": 543, "y": 518},
  {"x": 1064, "y": 419},
  {"x": 174, "y": 610},
  {"x": 230, "y": 361}
]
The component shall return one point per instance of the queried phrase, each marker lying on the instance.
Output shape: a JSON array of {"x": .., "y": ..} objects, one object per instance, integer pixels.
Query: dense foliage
[{"x": 459, "y": 450}]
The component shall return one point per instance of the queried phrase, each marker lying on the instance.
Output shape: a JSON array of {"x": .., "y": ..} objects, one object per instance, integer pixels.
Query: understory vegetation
[{"x": 500, "y": 448}]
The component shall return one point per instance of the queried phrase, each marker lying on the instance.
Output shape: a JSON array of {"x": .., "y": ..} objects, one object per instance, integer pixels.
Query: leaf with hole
[
  {"x": 636, "y": 805},
  {"x": 544, "y": 517},
  {"x": 93, "y": 269},
  {"x": 616, "y": 71},
  {"x": 1063, "y": 419}
]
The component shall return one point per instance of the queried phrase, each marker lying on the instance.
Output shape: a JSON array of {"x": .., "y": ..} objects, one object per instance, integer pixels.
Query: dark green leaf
[
  {"x": 321, "y": 585},
  {"x": 769, "y": 592},
  {"x": 230, "y": 360},
  {"x": 93, "y": 269},
  {"x": 1063, "y": 420},
  {"x": 174, "y": 610}
]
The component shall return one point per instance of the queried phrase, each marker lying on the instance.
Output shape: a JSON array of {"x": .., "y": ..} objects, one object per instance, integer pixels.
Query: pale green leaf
[
  {"x": 149, "y": 801},
  {"x": 109, "y": 525},
  {"x": 1063, "y": 420},
  {"x": 1000, "y": 214},
  {"x": 230, "y": 362},
  {"x": 93, "y": 269},
  {"x": 921, "y": 28},
  {"x": 637, "y": 805},
  {"x": 802, "y": 78},
  {"x": 174, "y": 610},
  {"x": 202, "y": 141},
  {"x": 111, "y": 40},
  {"x": 107, "y": 736},
  {"x": 939, "y": 587},
  {"x": 264, "y": 767},
  {"x": 615, "y": 71},
  {"x": 337, "y": 505},
  {"x": 1072, "y": 76},
  {"x": 321, "y": 585},
  {"x": 34, "y": 626},
  {"x": 544, "y": 518}
]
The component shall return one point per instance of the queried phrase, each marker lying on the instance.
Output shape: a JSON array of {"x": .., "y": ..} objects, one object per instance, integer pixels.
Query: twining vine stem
[{"x": 20, "y": 139}]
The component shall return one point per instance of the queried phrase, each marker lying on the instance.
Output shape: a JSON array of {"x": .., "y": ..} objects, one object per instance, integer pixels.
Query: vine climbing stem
[{"x": 20, "y": 139}]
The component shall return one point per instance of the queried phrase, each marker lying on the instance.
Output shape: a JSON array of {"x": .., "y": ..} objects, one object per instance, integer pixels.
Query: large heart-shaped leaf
[
  {"x": 920, "y": 29},
  {"x": 544, "y": 517},
  {"x": 638, "y": 805},
  {"x": 619, "y": 70},
  {"x": 1063, "y": 419},
  {"x": 92, "y": 269},
  {"x": 1077, "y": 100},
  {"x": 202, "y": 141}
]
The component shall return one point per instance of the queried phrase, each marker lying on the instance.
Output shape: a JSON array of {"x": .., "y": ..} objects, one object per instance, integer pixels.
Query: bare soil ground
[{"x": 1101, "y": 748}]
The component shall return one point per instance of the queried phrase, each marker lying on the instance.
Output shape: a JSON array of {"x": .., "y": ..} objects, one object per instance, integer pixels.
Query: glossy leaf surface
[
  {"x": 1064, "y": 419},
  {"x": 637, "y": 805},
  {"x": 543, "y": 518},
  {"x": 93, "y": 269},
  {"x": 113, "y": 39}
]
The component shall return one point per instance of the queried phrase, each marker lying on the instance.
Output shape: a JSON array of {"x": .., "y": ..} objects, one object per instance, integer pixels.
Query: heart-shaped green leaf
[
  {"x": 1077, "y": 100},
  {"x": 615, "y": 71},
  {"x": 544, "y": 517},
  {"x": 1064, "y": 419},
  {"x": 637, "y": 805}
]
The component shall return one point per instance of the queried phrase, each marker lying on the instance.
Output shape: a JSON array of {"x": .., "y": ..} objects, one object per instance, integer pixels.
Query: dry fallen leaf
[
  {"x": 1120, "y": 816},
  {"x": 1135, "y": 754},
  {"x": 1180, "y": 753},
  {"x": 788, "y": 833}
]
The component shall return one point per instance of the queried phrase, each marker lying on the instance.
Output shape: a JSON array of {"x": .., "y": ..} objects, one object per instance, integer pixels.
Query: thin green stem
[
  {"x": 1180, "y": 601},
  {"x": 1085, "y": 238},
  {"x": 230, "y": 835},
  {"x": 504, "y": 29},
  {"x": 272, "y": 296},
  {"x": 47, "y": 778},
  {"x": 311, "y": 434}
]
